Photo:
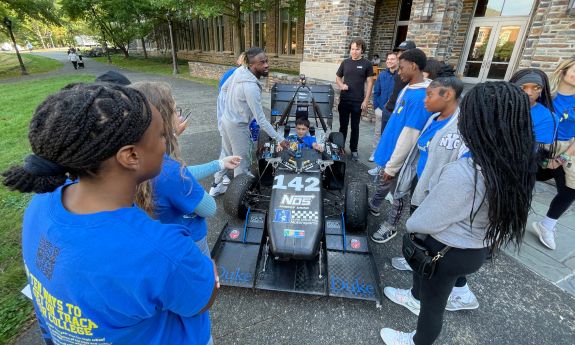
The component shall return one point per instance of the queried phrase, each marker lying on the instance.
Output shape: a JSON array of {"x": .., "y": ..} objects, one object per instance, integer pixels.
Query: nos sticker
[
  {"x": 355, "y": 243},
  {"x": 294, "y": 233}
]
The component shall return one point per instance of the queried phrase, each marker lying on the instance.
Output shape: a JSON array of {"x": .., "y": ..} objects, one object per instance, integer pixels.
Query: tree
[{"x": 117, "y": 20}]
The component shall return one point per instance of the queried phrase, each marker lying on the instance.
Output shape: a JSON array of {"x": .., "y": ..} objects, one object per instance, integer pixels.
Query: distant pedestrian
[
  {"x": 351, "y": 79},
  {"x": 475, "y": 204},
  {"x": 73, "y": 57},
  {"x": 562, "y": 163},
  {"x": 376, "y": 60}
]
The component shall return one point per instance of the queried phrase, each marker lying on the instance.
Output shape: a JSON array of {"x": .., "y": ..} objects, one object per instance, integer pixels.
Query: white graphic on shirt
[{"x": 451, "y": 141}]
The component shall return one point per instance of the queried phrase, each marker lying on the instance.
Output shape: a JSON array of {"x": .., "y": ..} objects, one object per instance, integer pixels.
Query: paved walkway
[{"x": 520, "y": 300}]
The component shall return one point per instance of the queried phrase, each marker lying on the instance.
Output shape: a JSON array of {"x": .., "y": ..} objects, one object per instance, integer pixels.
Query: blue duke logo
[
  {"x": 235, "y": 276},
  {"x": 356, "y": 287}
]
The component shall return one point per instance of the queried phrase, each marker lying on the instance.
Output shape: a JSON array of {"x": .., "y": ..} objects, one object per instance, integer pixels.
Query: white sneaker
[
  {"x": 402, "y": 297},
  {"x": 399, "y": 263},
  {"x": 465, "y": 302},
  {"x": 226, "y": 180},
  {"x": 393, "y": 337},
  {"x": 218, "y": 189},
  {"x": 374, "y": 171},
  {"x": 546, "y": 236}
]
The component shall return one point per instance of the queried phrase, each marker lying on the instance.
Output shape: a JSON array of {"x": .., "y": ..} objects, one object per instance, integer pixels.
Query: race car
[{"x": 303, "y": 225}]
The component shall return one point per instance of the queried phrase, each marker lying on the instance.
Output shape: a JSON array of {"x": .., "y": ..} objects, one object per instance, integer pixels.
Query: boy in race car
[{"x": 302, "y": 138}]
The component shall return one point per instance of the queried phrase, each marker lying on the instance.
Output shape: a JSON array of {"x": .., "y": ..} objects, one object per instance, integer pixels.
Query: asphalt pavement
[{"x": 518, "y": 304}]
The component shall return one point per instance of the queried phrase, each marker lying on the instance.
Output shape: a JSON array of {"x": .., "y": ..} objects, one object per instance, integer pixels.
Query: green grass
[
  {"x": 19, "y": 101},
  {"x": 155, "y": 65},
  {"x": 10, "y": 68}
]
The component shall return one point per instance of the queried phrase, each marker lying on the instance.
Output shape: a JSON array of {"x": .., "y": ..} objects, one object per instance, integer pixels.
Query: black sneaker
[
  {"x": 354, "y": 156},
  {"x": 383, "y": 234}
]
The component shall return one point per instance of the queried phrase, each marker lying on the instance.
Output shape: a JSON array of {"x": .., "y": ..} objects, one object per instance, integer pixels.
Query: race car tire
[
  {"x": 337, "y": 138},
  {"x": 235, "y": 197},
  {"x": 356, "y": 206}
]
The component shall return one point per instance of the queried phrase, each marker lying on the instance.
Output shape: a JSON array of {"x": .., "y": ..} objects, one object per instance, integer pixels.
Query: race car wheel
[
  {"x": 337, "y": 138},
  {"x": 356, "y": 206},
  {"x": 235, "y": 202}
]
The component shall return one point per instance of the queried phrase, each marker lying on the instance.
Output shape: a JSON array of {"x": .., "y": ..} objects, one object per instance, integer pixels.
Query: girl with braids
[
  {"x": 100, "y": 269},
  {"x": 175, "y": 196},
  {"x": 475, "y": 204},
  {"x": 561, "y": 166}
]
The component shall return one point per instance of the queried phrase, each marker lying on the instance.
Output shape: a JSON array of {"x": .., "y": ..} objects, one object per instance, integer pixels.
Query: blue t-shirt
[
  {"x": 544, "y": 124},
  {"x": 114, "y": 277},
  {"x": 565, "y": 109},
  {"x": 425, "y": 139},
  {"x": 176, "y": 195},
  {"x": 306, "y": 140},
  {"x": 409, "y": 112}
]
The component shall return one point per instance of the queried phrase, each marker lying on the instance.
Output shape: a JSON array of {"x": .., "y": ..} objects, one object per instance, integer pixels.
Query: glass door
[{"x": 492, "y": 49}]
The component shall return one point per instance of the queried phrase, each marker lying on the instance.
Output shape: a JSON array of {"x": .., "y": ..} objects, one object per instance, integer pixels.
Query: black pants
[
  {"x": 565, "y": 195},
  {"x": 385, "y": 115},
  {"x": 433, "y": 293},
  {"x": 346, "y": 109},
  {"x": 75, "y": 63}
]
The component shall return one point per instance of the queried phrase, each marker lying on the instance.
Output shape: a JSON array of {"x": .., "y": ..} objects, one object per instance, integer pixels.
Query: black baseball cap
[
  {"x": 113, "y": 77},
  {"x": 405, "y": 45}
]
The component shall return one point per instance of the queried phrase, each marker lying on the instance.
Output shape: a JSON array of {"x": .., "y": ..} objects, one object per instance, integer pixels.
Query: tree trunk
[
  {"x": 124, "y": 49},
  {"x": 22, "y": 67},
  {"x": 40, "y": 36},
  {"x": 144, "y": 48}
]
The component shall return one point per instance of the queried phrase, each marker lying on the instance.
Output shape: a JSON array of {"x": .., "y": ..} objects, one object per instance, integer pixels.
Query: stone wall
[
  {"x": 551, "y": 36},
  {"x": 284, "y": 62},
  {"x": 384, "y": 26}
]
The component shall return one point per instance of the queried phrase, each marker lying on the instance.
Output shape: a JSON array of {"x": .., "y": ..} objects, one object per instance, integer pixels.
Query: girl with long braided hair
[
  {"x": 101, "y": 271},
  {"x": 475, "y": 204},
  {"x": 561, "y": 164}
]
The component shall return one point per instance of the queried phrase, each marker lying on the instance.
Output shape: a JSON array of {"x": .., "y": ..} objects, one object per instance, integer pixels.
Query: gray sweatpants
[{"x": 236, "y": 141}]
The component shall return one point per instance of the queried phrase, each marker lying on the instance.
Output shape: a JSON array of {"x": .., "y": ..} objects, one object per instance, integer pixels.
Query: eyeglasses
[{"x": 183, "y": 114}]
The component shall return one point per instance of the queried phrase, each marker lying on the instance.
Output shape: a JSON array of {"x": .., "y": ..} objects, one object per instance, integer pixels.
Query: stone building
[{"x": 482, "y": 39}]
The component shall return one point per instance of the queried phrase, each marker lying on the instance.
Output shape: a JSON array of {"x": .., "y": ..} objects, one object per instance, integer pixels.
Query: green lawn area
[
  {"x": 10, "y": 68},
  {"x": 19, "y": 100},
  {"x": 156, "y": 65}
]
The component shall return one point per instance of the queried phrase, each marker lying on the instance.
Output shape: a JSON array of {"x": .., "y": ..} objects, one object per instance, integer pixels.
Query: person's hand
[
  {"x": 232, "y": 162},
  {"x": 318, "y": 147},
  {"x": 216, "y": 275},
  {"x": 344, "y": 87},
  {"x": 182, "y": 125},
  {"x": 279, "y": 148},
  {"x": 284, "y": 143},
  {"x": 364, "y": 105},
  {"x": 387, "y": 177}
]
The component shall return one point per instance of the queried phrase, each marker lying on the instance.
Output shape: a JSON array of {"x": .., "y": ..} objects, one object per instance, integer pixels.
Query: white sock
[
  {"x": 460, "y": 291},
  {"x": 549, "y": 223}
]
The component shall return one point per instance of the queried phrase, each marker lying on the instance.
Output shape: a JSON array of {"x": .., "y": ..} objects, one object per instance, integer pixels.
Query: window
[
  {"x": 403, "y": 21},
  {"x": 288, "y": 32},
  {"x": 205, "y": 34},
  {"x": 496, "y": 8},
  {"x": 219, "y": 33},
  {"x": 259, "y": 29}
]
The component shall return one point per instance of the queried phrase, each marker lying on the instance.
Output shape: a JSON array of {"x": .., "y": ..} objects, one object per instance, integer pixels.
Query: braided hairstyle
[
  {"x": 74, "y": 130},
  {"x": 496, "y": 127}
]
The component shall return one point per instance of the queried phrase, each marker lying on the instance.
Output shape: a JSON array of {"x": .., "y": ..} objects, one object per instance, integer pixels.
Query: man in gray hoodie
[{"x": 239, "y": 102}]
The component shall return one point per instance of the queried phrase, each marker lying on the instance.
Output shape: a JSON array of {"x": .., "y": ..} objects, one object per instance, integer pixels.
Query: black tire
[
  {"x": 337, "y": 138},
  {"x": 235, "y": 203},
  {"x": 356, "y": 206}
]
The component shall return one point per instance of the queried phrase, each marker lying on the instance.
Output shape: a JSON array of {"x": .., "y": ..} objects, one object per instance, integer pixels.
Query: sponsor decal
[
  {"x": 355, "y": 243},
  {"x": 332, "y": 224},
  {"x": 304, "y": 217},
  {"x": 234, "y": 234},
  {"x": 294, "y": 233},
  {"x": 256, "y": 218},
  {"x": 296, "y": 200},
  {"x": 355, "y": 287},
  {"x": 234, "y": 276},
  {"x": 282, "y": 216}
]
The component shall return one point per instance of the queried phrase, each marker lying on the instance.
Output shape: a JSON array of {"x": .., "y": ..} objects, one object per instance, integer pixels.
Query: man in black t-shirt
[{"x": 354, "y": 97}]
